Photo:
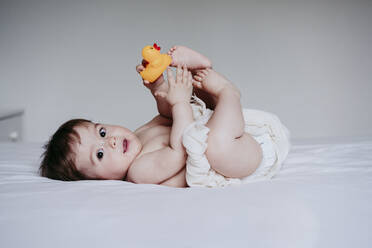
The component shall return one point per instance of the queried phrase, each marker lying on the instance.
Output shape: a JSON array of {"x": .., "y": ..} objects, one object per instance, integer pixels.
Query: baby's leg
[
  {"x": 231, "y": 151},
  {"x": 194, "y": 61}
]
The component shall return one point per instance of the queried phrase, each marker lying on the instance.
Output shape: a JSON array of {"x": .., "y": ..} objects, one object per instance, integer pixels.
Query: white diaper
[{"x": 264, "y": 127}]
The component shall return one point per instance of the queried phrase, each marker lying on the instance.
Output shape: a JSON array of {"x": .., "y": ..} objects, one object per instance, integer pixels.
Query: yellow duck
[{"x": 155, "y": 62}]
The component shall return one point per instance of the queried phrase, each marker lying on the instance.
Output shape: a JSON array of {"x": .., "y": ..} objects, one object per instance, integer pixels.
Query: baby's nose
[{"x": 112, "y": 142}]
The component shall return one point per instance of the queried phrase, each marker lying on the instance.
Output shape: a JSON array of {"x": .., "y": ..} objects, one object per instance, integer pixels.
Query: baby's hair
[{"x": 59, "y": 156}]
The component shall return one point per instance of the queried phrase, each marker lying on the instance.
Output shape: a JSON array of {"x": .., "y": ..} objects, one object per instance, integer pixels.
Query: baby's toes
[
  {"x": 197, "y": 84},
  {"x": 201, "y": 75},
  {"x": 198, "y": 78},
  {"x": 171, "y": 50},
  {"x": 204, "y": 73}
]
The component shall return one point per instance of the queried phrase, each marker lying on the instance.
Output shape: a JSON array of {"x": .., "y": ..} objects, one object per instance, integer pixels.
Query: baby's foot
[
  {"x": 185, "y": 56},
  {"x": 213, "y": 82}
]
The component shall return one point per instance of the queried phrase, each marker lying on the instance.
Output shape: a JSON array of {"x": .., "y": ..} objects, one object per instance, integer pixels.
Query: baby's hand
[
  {"x": 158, "y": 86},
  {"x": 180, "y": 89},
  {"x": 140, "y": 68}
]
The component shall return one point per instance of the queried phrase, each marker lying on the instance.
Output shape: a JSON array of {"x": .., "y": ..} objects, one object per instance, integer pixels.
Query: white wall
[{"x": 310, "y": 62}]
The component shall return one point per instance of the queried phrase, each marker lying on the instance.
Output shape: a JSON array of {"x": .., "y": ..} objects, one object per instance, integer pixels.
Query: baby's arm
[
  {"x": 157, "y": 166},
  {"x": 178, "y": 97},
  {"x": 160, "y": 85}
]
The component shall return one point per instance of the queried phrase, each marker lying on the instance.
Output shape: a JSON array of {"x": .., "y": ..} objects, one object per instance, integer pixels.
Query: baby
[{"x": 202, "y": 140}]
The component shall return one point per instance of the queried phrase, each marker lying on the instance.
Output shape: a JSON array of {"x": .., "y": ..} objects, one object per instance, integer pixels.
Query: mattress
[{"x": 322, "y": 197}]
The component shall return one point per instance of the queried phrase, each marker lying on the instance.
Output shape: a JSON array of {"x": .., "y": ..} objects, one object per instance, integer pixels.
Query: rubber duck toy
[{"x": 155, "y": 62}]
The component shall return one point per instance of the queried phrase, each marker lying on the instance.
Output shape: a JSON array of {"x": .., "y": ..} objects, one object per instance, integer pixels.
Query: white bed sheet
[{"x": 321, "y": 198}]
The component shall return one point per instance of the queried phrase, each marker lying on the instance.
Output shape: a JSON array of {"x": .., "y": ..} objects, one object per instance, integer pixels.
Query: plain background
[{"x": 309, "y": 62}]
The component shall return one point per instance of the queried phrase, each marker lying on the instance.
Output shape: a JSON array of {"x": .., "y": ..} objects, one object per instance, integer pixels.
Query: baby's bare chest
[{"x": 154, "y": 138}]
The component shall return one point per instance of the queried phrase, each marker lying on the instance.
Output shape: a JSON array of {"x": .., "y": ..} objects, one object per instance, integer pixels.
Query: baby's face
[{"x": 105, "y": 151}]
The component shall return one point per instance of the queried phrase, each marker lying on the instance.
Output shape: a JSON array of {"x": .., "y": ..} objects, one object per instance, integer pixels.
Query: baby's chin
[{"x": 123, "y": 175}]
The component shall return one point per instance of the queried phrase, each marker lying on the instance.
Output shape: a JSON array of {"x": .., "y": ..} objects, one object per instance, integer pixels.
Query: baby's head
[{"x": 81, "y": 149}]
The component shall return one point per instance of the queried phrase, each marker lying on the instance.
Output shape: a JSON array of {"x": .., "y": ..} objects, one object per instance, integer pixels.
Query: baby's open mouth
[{"x": 125, "y": 145}]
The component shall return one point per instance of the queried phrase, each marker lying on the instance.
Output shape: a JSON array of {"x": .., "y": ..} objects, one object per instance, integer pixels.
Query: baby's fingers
[
  {"x": 160, "y": 94},
  {"x": 189, "y": 81},
  {"x": 139, "y": 68},
  {"x": 146, "y": 83},
  {"x": 185, "y": 74},
  {"x": 179, "y": 74},
  {"x": 170, "y": 76}
]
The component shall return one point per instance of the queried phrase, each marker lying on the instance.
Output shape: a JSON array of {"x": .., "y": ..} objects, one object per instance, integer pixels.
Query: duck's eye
[
  {"x": 102, "y": 132},
  {"x": 100, "y": 154}
]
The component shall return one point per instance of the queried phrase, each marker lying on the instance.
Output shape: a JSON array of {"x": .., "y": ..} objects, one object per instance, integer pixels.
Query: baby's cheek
[{"x": 119, "y": 162}]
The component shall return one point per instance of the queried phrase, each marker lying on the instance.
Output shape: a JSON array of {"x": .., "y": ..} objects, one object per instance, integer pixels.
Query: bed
[{"x": 321, "y": 198}]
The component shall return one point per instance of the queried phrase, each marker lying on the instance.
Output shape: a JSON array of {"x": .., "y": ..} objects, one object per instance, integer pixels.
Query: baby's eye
[
  {"x": 102, "y": 132},
  {"x": 100, "y": 154}
]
